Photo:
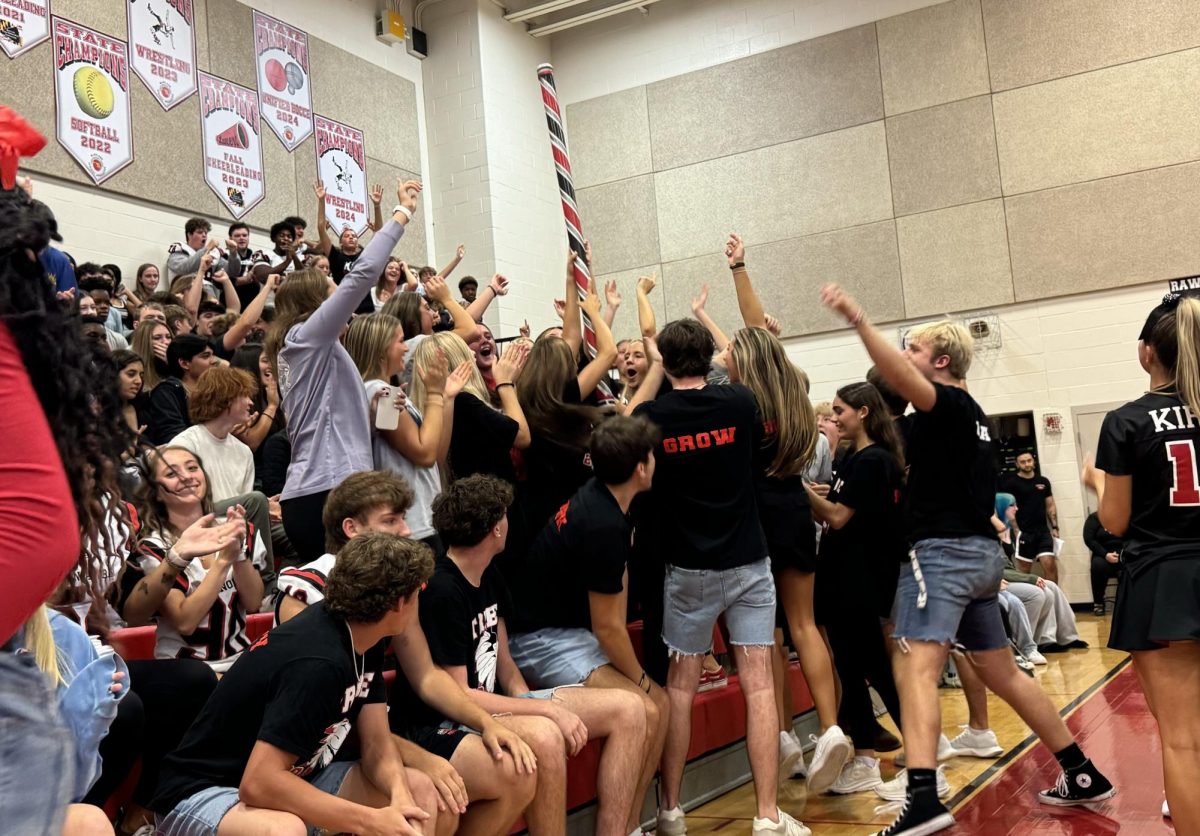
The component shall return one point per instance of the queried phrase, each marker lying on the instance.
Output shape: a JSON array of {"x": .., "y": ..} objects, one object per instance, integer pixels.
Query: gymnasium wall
[{"x": 134, "y": 215}]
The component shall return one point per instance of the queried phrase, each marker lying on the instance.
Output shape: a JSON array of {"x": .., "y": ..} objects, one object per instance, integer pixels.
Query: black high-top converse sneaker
[{"x": 1082, "y": 785}]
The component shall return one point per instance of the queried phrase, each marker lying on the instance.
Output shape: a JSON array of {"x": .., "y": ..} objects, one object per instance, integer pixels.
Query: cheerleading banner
[
  {"x": 91, "y": 90},
  {"x": 342, "y": 169},
  {"x": 23, "y": 25},
  {"x": 162, "y": 39},
  {"x": 232, "y": 143},
  {"x": 284, "y": 94}
]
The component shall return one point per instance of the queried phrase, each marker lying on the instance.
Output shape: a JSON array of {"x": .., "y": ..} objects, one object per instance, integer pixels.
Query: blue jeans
[
  {"x": 37, "y": 754},
  {"x": 693, "y": 598},
  {"x": 555, "y": 656}
]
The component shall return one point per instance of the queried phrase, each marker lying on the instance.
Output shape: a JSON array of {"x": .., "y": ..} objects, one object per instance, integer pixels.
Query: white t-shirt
[
  {"x": 228, "y": 462},
  {"x": 304, "y": 583},
  {"x": 426, "y": 482}
]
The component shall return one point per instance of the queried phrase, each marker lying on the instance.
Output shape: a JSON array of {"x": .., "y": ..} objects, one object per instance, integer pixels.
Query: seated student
[
  {"x": 221, "y": 401},
  {"x": 492, "y": 767},
  {"x": 1106, "y": 550},
  {"x": 571, "y": 592},
  {"x": 260, "y": 758},
  {"x": 188, "y": 357},
  {"x": 463, "y": 613}
]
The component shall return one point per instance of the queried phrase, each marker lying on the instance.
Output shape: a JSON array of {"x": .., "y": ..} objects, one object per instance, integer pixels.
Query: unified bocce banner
[
  {"x": 91, "y": 91},
  {"x": 162, "y": 38},
  {"x": 23, "y": 25},
  {"x": 233, "y": 162},
  {"x": 342, "y": 169},
  {"x": 284, "y": 93}
]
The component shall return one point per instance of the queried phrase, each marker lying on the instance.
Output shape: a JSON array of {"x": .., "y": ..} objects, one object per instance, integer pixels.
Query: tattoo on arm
[{"x": 143, "y": 588}]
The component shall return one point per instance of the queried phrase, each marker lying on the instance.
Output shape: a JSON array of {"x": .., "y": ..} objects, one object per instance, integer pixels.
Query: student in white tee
[{"x": 220, "y": 403}]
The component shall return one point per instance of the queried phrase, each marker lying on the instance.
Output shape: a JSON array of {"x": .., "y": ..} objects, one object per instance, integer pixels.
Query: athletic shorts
[
  {"x": 200, "y": 814},
  {"x": 441, "y": 740},
  {"x": 1032, "y": 545},
  {"x": 555, "y": 656},
  {"x": 693, "y": 598},
  {"x": 947, "y": 594}
]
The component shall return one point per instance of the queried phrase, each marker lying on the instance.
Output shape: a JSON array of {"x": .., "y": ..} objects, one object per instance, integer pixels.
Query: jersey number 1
[{"x": 1186, "y": 490}]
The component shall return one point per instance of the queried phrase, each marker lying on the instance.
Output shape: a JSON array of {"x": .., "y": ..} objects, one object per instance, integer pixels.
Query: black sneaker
[
  {"x": 1098, "y": 609},
  {"x": 1079, "y": 786},
  {"x": 919, "y": 815},
  {"x": 885, "y": 741}
]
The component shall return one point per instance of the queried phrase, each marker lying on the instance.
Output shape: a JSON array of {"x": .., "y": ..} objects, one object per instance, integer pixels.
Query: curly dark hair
[
  {"x": 372, "y": 573},
  {"x": 76, "y": 389},
  {"x": 357, "y": 496},
  {"x": 465, "y": 512}
]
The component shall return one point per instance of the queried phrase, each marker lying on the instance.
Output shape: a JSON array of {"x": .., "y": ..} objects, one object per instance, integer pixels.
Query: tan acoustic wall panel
[
  {"x": 932, "y": 56},
  {"x": 609, "y": 138},
  {"x": 625, "y": 325}
]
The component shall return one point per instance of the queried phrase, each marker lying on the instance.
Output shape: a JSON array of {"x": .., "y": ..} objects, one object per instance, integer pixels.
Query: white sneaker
[
  {"x": 944, "y": 753},
  {"x": 858, "y": 775},
  {"x": 672, "y": 822},
  {"x": 791, "y": 756},
  {"x": 832, "y": 751},
  {"x": 1035, "y": 657},
  {"x": 978, "y": 743},
  {"x": 801, "y": 770},
  {"x": 787, "y": 826},
  {"x": 897, "y": 788}
]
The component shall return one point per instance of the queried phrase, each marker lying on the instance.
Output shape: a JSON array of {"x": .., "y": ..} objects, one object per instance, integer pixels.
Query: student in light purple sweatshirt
[{"x": 329, "y": 416}]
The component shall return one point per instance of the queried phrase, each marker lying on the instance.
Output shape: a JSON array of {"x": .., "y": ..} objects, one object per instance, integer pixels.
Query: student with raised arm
[
  {"x": 947, "y": 592},
  {"x": 329, "y": 415}
]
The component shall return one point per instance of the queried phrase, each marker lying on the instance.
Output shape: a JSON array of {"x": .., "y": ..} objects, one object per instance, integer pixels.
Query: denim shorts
[
  {"x": 693, "y": 598},
  {"x": 555, "y": 656},
  {"x": 947, "y": 594},
  {"x": 200, "y": 814}
]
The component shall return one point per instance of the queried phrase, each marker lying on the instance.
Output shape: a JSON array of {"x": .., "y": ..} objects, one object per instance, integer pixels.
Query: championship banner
[
  {"x": 91, "y": 91},
  {"x": 232, "y": 137},
  {"x": 342, "y": 168},
  {"x": 162, "y": 37},
  {"x": 23, "y": 25},
  {"x": 284, "y": 94}
]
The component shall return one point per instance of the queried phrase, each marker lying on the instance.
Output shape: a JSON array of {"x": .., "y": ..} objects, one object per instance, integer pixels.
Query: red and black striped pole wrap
[{"x": 566, "y": 190}]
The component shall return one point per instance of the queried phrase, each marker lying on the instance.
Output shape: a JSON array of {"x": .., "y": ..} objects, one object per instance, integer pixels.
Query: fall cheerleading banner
[
  {"x": 342, "y": 168},
  {"x": 91, "y": 89},
  {"x": 23, "y": 25},
  {"x": 284, "y": 93},
  {"x": 233, "y": 162},
  {"x": 162, "y": 38}
]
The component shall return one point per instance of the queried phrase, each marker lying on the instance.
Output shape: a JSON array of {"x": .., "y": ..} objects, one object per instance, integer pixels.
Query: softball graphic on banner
[
  {"x": 23, "y": 25},
  {"x": 284, "y": 89},
  {"x": 162, "y": 38},
  {"x": 229, "y": 124},
  {"x": 342, "y": 168},
  {"x": 91, "y": 90}
]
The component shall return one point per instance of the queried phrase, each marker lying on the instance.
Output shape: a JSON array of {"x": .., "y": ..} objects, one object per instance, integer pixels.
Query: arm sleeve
[
  {"x": 1091, "y": 528},
  {"x": 276, "y": 456},
  {"x": 37, "y": 513},
  {"x": 1114, "y": 448},
  {"x": 179, "y": 263},
  {"x": 326, "y": 324},
  {"x": 447, "y": 626},
  {"x": 605, "y": 554},
  {"x": 167, "y": 417}
]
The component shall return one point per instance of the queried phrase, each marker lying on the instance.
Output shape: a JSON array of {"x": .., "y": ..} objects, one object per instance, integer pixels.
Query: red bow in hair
[{"x": 17, "y": 139}]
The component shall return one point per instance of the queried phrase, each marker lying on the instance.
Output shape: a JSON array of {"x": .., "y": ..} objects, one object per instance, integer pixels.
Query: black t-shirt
[
  {"x": 1155, "y": 440},
  {"x": 952, "y": 469},
  {"x": 481, "y": 440},
  {"x": 783, "y": 505},
  {"x": 863, "y": 557},
  {"x": 340, "y": 264},
  {"x": 583, "y": 549},
  {"x": 296, "y": 688},
  {"x": 1031, "y": 501},
  {"x": 246, "y": 292},
  {"x": 703, "y": 500}
]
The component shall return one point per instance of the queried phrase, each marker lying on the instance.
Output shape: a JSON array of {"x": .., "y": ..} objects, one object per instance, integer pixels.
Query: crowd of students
[{"x": 323, "y": 432}]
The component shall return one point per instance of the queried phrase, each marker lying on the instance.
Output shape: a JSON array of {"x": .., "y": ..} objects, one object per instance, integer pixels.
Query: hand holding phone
[{"x": 387, "y": 410}]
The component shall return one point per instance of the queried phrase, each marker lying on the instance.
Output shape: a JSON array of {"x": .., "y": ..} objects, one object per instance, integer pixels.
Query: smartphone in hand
[{"x": 387, "y": 414}]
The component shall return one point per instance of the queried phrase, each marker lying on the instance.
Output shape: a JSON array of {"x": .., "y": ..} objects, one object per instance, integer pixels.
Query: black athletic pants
[
  {"x": 303, "y": 523},
  {"x": 861, "y": 658},
  {"x": 1102, "y": 570}
]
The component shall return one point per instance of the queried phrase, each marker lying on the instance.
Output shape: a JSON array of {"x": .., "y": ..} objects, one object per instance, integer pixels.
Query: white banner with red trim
[
  {"x": 342, "y": 168},
  {"x": 284, "y": 91},
  {"x": 162, "y": 40},
  {"x": 232, "y": 137},
  {"x": 23, "y": 25}
]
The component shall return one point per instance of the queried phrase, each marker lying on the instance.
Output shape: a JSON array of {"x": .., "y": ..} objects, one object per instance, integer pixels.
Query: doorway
[{"x": 1087, "y": 421}]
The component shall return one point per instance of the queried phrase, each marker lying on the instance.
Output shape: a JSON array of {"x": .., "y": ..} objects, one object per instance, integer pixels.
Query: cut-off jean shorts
[
  {"x": 947, "y": 594},
  {"x": 693, "y": 598},
  {"x": 555, "y": 656}
]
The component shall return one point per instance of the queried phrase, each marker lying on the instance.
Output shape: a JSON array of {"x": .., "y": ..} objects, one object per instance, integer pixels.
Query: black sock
[
  {"x": 1070, "y": 758},
  {"x": 922, "y": 779}
]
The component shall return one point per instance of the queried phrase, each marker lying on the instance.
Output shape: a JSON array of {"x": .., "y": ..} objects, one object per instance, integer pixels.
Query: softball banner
[
  {"x": 229, "y": 124},
  {"x": 284, "y": 94},
  {"x": 162, "y": 38},
  {"x": 342, "y": 168},
  {"x": 91, "y": 92},
  {"x": 23, "y": 24}
]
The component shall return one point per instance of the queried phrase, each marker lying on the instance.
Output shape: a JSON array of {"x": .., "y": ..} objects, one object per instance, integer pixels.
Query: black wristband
[
  {"x": 513, "y": 385},
  {"x": 740, "y": 265}
]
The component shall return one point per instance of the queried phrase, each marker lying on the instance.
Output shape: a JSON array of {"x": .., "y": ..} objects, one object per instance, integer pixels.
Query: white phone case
[{"x": 387, "y": 416}]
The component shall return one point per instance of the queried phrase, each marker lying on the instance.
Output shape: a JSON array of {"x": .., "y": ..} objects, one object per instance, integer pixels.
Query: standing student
[
  {"x": 329, "y": 416},
  {"x": 1037, "y": 516},
  {"x": 947, "y": 591},
  {"x": 1146, "y": 480}
]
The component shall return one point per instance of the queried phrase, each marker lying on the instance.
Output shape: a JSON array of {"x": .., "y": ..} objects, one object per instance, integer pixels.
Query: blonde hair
[
  {"x": 296, "y": 300},
  {"x": 143, "y": 345},
  {"x": 39, "y": 641},
  {"x": 367, "y": 341},
  {"x": 822, "y": 409},
  {"x": 949, "y": 338},
  {"x": 456, "y": 352},
  {"x": 763, "y": 365},
  {"x": 1175, "y": 339}
]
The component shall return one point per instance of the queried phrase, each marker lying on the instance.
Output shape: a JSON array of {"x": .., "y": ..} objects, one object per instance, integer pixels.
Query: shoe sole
[
  {"x": 994, "y": 752},
  {"x": 861, "y": 786},
  {"x": 820, "y": 780},
  {"x": 941, "y": 822},
  {"x": 1082, "y": 802},
  {"x": 667, "y": 829},
  {"x": 787, "y": 766}
]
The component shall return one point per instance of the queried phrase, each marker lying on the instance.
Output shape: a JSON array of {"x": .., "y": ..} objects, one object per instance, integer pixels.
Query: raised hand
[
  {"x": 773, "y": 325},
  {"x": 700, "y": 301},
  {"x": 436, "y": 288},
  {"x": 407, "y": 192},
  {"x": 509, "y": 366},
  {"x": 645, "y": 284},
  {"x": 524, "y": 329},
  {"x": 435, "y": 376},
  {"x": 560, "y": 308},
  {"x": 461, "y": 251},
  {"x": 839, "y": 301},
  {"x": 735, "y": 250},
  {"x": 376, "y": 193},
  {"x": 611, "y": 295},
  {"x": 587, "y": 252},
  {"x": 319, "y": 190},
  {"x": 458, "y": 379},
  {"x": 650, "y": 344},
  {"x": 591, "y": 301},
  {"x": 499, "y": 285}
]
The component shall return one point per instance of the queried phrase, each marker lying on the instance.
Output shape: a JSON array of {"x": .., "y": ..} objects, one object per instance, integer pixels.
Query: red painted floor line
[{"x": 1114, "y": 727}]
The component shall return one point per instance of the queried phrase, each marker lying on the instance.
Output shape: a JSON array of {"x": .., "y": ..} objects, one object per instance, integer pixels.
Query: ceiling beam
[
  {"x": 542, "y": 9},
  {"x": 589, "y": 17}
]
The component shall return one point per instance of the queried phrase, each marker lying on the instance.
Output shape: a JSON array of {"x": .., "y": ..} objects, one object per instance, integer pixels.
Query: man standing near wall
[
  {"x": 185, "y": 258},
  {"x": 1037, "y": 516}
]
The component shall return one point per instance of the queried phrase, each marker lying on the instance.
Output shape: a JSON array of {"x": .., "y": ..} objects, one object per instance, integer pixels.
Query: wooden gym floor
[{"x": 1098, "y": 693}]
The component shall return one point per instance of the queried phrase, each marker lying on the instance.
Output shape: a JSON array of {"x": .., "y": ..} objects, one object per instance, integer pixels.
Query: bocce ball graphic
[
  {"x": 93, "y": 92},
  {"x": 295, "y": 76},
  {"x": 276, "y": 77}
]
